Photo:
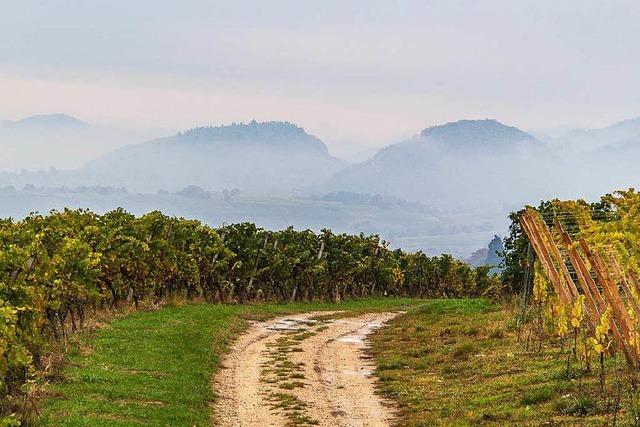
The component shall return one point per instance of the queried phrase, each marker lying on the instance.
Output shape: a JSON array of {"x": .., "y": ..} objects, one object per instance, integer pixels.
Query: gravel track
[{"x": 339, "y": 388}]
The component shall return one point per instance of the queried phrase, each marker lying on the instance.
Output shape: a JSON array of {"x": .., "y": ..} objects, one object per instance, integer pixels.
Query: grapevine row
[{"x": 586, "y": 275}]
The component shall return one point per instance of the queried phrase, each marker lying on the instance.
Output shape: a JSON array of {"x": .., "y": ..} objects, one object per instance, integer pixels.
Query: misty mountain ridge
[
  {"x": 616, "y": 132},
  {"x": 463, "y": 162},
  {"x": 623, "y": 134},
  {"x": 487, "y": 134},
  {"x": 274, "y": 158},
  {"x": 45, "y": 122},
  {"x": 60, "y": 141},
  {"x": 460, "y": 139},
  {"x": 275, "y": 134}
]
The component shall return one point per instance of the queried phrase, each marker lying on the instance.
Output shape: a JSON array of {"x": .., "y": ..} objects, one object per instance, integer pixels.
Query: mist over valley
[{"x": 448, "y": 189}]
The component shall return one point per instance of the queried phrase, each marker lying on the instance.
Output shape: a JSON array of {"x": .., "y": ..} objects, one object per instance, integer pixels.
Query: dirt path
[{"x": 296, "y": 370}]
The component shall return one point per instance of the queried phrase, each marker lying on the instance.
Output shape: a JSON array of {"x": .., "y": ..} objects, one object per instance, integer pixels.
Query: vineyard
[
  {"x": 56, "y": 270},
  {"x": 581, "y": 262},
  {"x": 573, "y": 266}
]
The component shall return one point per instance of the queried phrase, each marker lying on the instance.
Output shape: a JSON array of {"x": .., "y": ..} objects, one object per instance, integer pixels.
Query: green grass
[
  {"x": 457, "y": 362},
  {"x": 154, "y": 367}
]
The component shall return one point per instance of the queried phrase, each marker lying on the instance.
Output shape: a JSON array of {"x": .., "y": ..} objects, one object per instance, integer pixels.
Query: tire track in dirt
[{"x": 339, "y": 388}]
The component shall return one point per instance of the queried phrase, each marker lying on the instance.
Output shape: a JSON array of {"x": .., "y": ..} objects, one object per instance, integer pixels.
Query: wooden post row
[{"x": 552, "y": 261}]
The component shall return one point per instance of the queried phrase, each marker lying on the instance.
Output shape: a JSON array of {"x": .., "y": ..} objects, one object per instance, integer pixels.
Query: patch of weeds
[
  {"x": 493, "y": 418},
  {"x": 420, "y": 352},
  {"x": 294, "y": 408},
  {"x": 464, "y": 350},
  {"x": 300, "y": 419},
  {"x": 534, "y": 397},
  {"x": 301, "y": 336},
  {"x": 308, "y": 322},
  {"x": 291, "y": 385},
  {"x": 564, "y": 375},
  {"x": 471, "y": 331},
  {"x": 578, "y": 406},
  {"x": 513, "y": 323},
  {"x": 445, "y": 332},
  {"x": 286, "y": 401},
  {"x": 391, "y": 363},
  {"x": 450, "y": 369},
  {"x": 496, "y": 333},
  {"x": 284, "y": 364}
]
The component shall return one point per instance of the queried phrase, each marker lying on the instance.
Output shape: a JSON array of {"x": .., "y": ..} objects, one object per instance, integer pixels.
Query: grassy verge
[
  {"x": 457, "y": 362},
  {"x": 154, "y": 367}
]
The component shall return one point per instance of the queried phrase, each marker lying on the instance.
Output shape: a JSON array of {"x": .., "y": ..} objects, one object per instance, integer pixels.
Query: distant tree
[{"x": 194, "y": 192}]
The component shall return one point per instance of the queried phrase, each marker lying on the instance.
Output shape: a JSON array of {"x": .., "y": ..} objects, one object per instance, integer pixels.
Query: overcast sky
[{"x": 358, "y": 73}]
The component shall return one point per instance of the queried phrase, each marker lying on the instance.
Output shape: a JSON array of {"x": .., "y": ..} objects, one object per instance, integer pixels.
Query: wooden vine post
[{"x": 600, "y": 279}]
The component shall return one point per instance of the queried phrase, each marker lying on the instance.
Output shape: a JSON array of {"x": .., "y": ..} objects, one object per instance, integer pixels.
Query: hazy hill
[
  {"x": 489, "y": 256},
  {"x": 466, "y": 160},
  {"x": 591, "y": 160},
  {"x": 477, "y": 258},
  {"x": 598, "y": 139},
  {"x": 260, "y": 158},
  {"x": 44, "y": 122},
  {"x": 481, "y": 135},
  {"x": 58, "y": 141}
]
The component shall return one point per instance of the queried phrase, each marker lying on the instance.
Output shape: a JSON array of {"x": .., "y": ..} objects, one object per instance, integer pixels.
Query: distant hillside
[
  {"x": 59, "y": 141},
  {"x": 478, "y": 258},
  {"x": 263, "y": 158},
  {"x": 468, "y": 159},
  {"x": 277, "y": 135},
  {"x": 622, "y": 134},
  {"x": 597, "y": 159},
  {"x": 487, "y": 135},
  {"x": 489, "y": 256},
  {"x": 44, "y": 122}
]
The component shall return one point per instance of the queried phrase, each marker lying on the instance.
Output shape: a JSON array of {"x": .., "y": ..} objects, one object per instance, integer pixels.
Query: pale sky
[{"x": 358, "y": 74}]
